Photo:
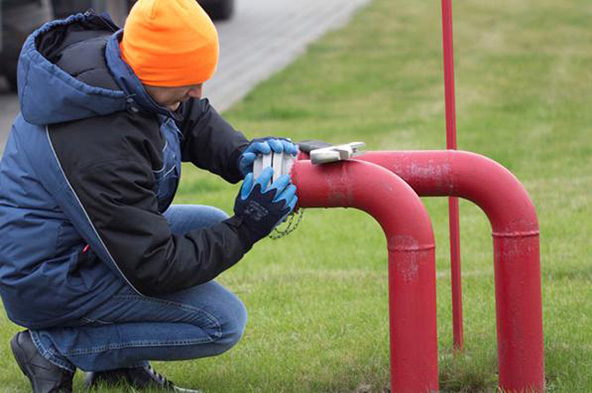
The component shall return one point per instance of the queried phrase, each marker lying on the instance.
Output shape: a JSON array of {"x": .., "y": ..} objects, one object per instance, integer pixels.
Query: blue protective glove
[
  {"x": 264, "y": 146},
  {"x": 262, "y": 207}
]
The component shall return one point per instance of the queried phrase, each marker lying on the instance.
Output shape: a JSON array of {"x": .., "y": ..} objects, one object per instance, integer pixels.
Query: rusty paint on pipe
[{"x": 515, "y": 232}]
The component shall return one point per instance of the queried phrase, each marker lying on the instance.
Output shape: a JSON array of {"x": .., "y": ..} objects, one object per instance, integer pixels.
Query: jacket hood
[{"x": 63, "y": 76}]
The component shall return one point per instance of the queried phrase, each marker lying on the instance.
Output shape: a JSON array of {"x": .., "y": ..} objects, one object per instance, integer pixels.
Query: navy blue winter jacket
[{"x": 93, "y": 160}]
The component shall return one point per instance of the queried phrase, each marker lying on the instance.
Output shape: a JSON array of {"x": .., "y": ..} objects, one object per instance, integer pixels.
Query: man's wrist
[
  {"x": 247, "y": 236},
  {"x": 236, "y": 158}
]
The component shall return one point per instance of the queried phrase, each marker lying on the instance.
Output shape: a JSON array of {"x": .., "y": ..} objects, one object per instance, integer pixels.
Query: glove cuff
[
  {"x": 237, "y": 174},
  {"x": 247, "y": 236}
]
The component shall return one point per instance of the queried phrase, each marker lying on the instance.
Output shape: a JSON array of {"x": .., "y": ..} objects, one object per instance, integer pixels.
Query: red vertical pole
[{"x": 448, "y": 54}]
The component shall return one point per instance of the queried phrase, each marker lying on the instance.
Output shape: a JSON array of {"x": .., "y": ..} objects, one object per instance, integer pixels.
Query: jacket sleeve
[
  {"x": 209, "y": 141},
  {"x": 118, "y": 199}
]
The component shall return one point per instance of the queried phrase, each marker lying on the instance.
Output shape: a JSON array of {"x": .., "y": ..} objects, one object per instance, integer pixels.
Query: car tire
[
  {"x": 12, "y": 85},
  {"x": 221, "y": 10}
]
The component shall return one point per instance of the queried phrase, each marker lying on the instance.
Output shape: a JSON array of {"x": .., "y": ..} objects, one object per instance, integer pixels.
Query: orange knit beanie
[{"x": 170, "y": 43}]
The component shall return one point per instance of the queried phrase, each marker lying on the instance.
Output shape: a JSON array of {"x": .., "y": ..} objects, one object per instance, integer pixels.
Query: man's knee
[
  {"x": 220, "y": 316},
  {"x": 184, "y": 218},
  {"x": 216, "y": 215},
  {"x": 232, "y": 326}
]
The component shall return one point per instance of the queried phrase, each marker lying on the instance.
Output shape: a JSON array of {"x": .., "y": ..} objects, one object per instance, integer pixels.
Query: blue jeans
[{"x": 130, "y": 329}]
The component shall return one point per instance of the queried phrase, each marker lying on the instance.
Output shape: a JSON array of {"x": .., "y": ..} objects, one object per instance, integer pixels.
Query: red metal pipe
[
  {"x": 411, "y": 258},
  {"x": 515, "y": 241},
  {"x": 453, "y": 214}
]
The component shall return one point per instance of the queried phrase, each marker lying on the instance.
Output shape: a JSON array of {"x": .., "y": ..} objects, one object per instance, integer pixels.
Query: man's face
[{"x": 172, "y": 97}]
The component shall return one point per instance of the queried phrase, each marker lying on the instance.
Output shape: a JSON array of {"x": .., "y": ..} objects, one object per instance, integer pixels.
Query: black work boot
[
  {"x": 45, "y": 376},
  {"x": 137, "y": 377}
]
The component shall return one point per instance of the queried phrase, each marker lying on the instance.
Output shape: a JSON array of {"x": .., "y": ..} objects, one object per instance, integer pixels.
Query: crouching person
[{"x": 103, "y": 272}]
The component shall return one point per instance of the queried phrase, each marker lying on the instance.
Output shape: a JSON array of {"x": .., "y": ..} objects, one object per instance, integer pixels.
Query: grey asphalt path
[{"x": 263, "y": 37}]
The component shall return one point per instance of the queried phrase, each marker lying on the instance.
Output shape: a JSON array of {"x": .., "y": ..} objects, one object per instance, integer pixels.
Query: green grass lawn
[{"x": 318, "y": 298}]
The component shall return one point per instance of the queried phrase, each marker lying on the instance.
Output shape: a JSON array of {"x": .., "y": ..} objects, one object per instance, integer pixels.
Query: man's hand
[
  {"x": 264, "y": 146},
  {"x": 260, "y": 206}
]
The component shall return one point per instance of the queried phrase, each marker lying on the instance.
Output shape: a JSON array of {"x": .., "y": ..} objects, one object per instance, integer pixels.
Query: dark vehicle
[
  {"x": 218, "y": 9},
  {"x": 18, "y": 18}
]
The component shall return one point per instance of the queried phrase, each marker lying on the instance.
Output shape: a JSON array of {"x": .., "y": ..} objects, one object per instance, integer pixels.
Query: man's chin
[{"x": 174, "y": 106}]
